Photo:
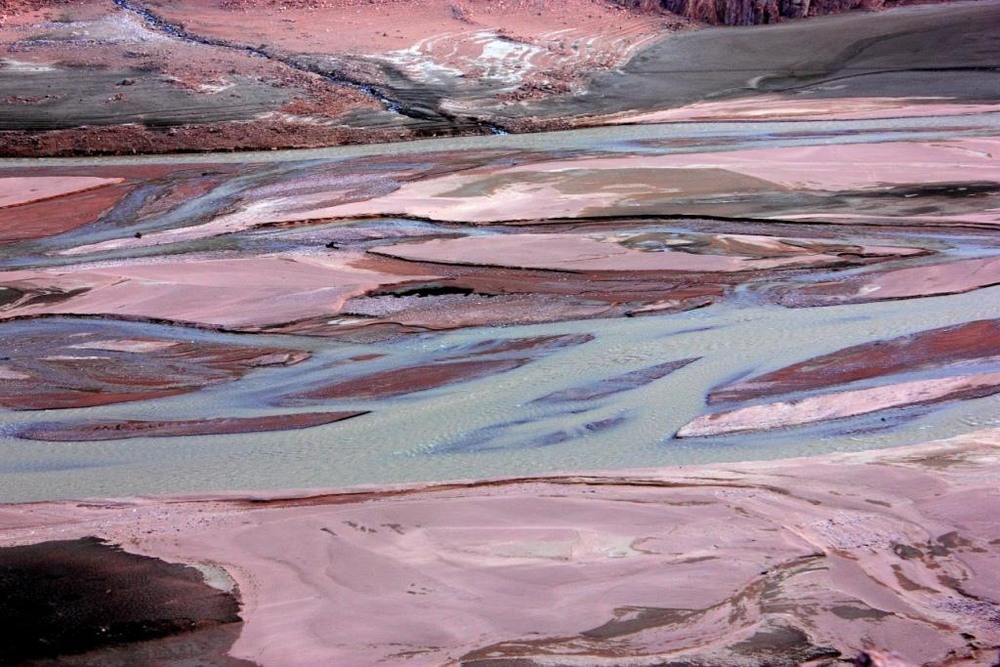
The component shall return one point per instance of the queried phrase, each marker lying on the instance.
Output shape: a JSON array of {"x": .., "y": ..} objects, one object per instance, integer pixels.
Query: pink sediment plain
[
  {"x": 917, "y": 281},
  {"x": 888, "y": 547},
  {"x": 24, "y": 189},
  {"x": 241, "y": 292},
  {"x": 840, "y": 405},
  {"x": 829, "y": 168},
  {"x": 533, "y": 191}
]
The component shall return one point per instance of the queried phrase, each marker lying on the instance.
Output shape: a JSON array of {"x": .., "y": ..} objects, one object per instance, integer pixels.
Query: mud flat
[
  {"x": 88, "y": 602},
  {"x": 930, "y": 52},
  {"x": 789, "y": 562}
]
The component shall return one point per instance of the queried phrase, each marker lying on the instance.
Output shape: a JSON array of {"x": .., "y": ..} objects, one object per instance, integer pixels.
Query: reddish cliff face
[{"x": 753, "y": 12}]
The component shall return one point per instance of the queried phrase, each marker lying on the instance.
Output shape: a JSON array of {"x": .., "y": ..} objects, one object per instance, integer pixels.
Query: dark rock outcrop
[{"x": 751, "y": 12}]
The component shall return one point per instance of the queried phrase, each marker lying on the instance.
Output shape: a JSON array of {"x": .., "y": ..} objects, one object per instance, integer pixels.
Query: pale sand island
[{"x": 709, "y": 377}]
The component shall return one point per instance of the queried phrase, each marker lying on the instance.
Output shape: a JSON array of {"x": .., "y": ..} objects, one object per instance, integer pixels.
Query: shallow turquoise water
[{"x": 413, "y": 438}]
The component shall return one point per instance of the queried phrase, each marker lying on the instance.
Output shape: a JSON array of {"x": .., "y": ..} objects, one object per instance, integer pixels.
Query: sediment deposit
[
  {"x": 784, "y": 563},
  {"x": 712, "y": 381}
]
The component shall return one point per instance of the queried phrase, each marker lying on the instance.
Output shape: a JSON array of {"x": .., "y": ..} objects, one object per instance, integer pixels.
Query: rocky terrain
[
  {"x": 745, "y": 12},
  {"x": 160, "y": 76}
]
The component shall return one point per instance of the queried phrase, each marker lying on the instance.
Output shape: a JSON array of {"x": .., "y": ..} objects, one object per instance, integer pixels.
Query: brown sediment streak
[
  {"x": 495, "y": 295},
  {"x": 840, "y": 405},
  {"x": 399, "y": 381},
  {"x": 776, "y": 562},
  {"x": 70, "y": 367},
  {"x": 51, "y": 216},
  {"x": 614, "y": 385},
  {"x": 532, "y": 343},
  {"x": 16, "y": 398},
  {"x": 967, "y": 343},
  {"x": 596, "y": 253},
  {"x": 464, "y": 365},
  {"x": 19, "y": 190},
  {"x": 123, "y": 430},
  {"x": 952, "y": 277}
]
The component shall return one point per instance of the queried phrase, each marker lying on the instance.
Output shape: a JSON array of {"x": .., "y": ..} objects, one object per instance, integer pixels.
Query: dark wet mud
[{"x": 86, "y": 602}]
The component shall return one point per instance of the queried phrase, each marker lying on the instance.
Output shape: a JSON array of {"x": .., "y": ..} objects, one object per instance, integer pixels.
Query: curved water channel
[{"x": 490, "y": 427}]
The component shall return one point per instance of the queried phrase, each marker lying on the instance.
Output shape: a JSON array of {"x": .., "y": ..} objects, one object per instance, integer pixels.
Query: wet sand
[
  {"x": 897, "y": 54},
  {"x": 776, "y": 563},
  {"x": 76, "y": 363},
  {"x": 78, "y": 601},
  {"x": 783, "y": 563}
]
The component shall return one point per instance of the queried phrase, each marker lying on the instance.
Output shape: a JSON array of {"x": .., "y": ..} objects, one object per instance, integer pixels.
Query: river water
[{"x": 489, "y": 427}]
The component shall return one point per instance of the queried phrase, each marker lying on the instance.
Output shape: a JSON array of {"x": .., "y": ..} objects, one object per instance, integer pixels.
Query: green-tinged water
[{"x": 485, "y": 428}]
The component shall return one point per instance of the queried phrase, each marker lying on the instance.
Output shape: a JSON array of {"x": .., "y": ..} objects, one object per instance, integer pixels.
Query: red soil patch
[
  {"x": 399, "y": 381},
  {"x": 229, "y": 136},
  {"x": 963, "y": 344},
  {"x": 55, "y": 216},
  {"x": 52, "y": 369},
  {"x": 109, "y": 430},
  {"x": 377, "y": 26}
]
